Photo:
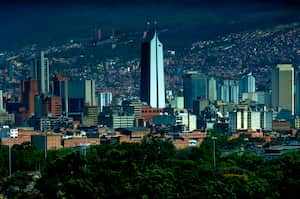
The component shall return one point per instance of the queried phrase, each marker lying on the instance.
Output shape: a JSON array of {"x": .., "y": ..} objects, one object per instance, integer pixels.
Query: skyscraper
[
  {"x": 40, "y": 71},
  {"x": 283, "y": 87},
  {"x": 29, "y": 91},
  {"x": 89, "y": 93},
  {"x": 297, "y": 109},
  {"x": 212, "y": 89},
  {"x": 1, "y": 101},
  {"x": 247, "y": 84},
  {"x": 60, "y": 88},
  {"x": 194, "y": 86},
  {"x": 80, "y": 92},
  {"x": 234, "y": 94},
  {"x": 104, "y": 99},
  {"x": 152, "y": 89}
]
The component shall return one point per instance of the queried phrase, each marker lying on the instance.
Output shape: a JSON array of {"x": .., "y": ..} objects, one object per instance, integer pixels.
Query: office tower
[
  {"x": 104, "y": 99},
  {"x": 225, "y": 93},
  {"x": 60, "y": 88},
  {"x": 52, "y": 106},
  {"x": 212, "y": 90},
  {"x": 38, "y": 106},
  {"x": 283, "y": 87},
  {"x": 234, "y": 94},
  {"x": 40, "y": 72},
  {"x": 262, "y": 97},
  {"x": 247, "y": 84},
  {"x": 1, "y": 101},
  {"x": 90, "y": 117},
  {"x": 194, "y": 86},
  {"x": 29, "y": 90},
  {"x": 199, "y": 105},
  {"x": 249, "y": 120},
  {"x": 90, "y": 92},
  {"x": 152, "y": 88},
  {"x": 297, "y": 108},
  {"x": 266, "y": 120},
  {"x": 80, "y": 92}
]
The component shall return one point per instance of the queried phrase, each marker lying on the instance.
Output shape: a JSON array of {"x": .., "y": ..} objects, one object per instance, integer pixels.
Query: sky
[{"x": 32, "y": 21}]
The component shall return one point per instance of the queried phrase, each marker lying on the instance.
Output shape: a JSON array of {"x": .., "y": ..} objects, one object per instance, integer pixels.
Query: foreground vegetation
[{"x": 153, "y": 169}]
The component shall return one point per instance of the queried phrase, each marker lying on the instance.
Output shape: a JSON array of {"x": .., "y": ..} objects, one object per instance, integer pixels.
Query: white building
[
  {"x": 104, "y": 99},
  {"x": 152, "y": 72},
  {"x": 188, "y": 120},
  {"x": 178, "y": 103},
  {"x": 13, "y": 133},
  {"x": 249, "y": 120},
  {"x": 212, "y": 89}
]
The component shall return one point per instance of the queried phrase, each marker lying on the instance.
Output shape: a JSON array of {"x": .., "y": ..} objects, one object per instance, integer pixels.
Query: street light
[{"x": 214, "y": 150}]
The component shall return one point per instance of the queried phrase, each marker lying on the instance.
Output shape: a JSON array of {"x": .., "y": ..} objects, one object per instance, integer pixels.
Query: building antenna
[{"x": 155, "y": 25}]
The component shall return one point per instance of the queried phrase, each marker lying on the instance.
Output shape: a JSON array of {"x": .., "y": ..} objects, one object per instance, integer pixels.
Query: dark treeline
[{"x": 153, "y": 169}]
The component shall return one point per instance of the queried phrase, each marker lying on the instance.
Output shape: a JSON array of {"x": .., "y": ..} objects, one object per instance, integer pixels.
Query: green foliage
[{"x": 153, "y": 169}]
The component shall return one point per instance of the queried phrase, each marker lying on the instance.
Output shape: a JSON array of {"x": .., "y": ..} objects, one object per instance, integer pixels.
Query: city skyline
[{"x": 149, "y": 99}]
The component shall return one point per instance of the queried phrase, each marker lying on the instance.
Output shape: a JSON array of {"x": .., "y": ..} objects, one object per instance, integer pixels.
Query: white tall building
[
  {"x": 212, "y": 89},
  {"x": 1, "y": 101},
  {"x": 152, "y": 72},
  {"x": 104, "y": 99},
  {"x": 89, "y": 92}
]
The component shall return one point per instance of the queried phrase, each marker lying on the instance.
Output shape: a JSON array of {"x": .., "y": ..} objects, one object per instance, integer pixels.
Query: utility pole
[
  {"x": 45, "y": 145},
  {"x": 9, "y": 156},
  {"x": 214, "y": 151}
]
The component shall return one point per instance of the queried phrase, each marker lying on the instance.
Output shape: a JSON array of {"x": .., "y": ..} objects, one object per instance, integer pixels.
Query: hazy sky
[{"x": 27, "y": 21}]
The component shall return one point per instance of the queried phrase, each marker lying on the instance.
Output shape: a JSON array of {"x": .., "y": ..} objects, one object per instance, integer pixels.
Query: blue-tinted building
[{"x": 194, "y": 86}]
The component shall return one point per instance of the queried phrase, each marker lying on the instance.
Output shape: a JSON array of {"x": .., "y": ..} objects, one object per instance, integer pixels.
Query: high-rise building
[
  {"x": 194, "y": 86},
  {"x": 283, "y": 87},
  {"x": 225, "y": 93},
  {"x": 80, "y": 92},
  {"x": 212, "y": 89},
  {"x": 60, "y": 88},
  {"x": 234, "y": 94},
  {"x": 1, "y": 101},
  {"x": 152, "y": 88},
  {"x": 199, "y": 105},
  {"x": 297, "y": 108},
  {"x": 90, "y": 117},
  {"x": 247, "y": 84},
  {"x": 52, "y": 106},
  {"x": 29, "y": 90},
  {"x": 90, "y": 93},
  {"x": 104, "y": 99},
  {"x": 40, "y": 71}
]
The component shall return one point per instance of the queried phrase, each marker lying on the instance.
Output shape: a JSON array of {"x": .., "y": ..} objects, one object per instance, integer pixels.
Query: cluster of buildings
[{"x": 69, "y": 112}]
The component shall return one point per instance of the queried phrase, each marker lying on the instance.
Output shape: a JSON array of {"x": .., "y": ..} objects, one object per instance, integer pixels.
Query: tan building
[
  {"x": 53, "y": 141},
  {"x": 80, "y": 142},
  {"x": 90, "y": 117},
  {"x": 283, "y": 87}
]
